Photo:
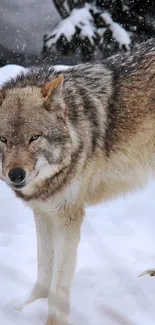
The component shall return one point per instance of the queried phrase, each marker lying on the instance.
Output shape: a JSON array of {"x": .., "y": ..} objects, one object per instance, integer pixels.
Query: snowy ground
[{"x": 118, "y": 243}]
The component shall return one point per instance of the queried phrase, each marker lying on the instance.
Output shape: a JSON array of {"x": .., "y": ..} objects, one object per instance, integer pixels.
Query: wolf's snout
[{"x": 17, "y": 175}]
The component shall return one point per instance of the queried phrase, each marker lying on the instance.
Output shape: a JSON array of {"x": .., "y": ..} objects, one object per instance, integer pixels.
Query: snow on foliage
[
  {"x": 79, "y": 18},
  {"x": 86, "y": 27},
  {"x": 118, "y": 32}
]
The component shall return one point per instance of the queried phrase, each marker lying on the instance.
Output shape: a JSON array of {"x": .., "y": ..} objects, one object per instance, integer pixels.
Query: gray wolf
[{"x": 73, "y": 138}]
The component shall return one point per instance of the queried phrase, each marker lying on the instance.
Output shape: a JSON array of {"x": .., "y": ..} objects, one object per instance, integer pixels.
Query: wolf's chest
[{"x": 56, "y": 204}]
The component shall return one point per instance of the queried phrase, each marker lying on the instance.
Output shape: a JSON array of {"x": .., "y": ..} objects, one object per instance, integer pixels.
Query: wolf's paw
[
  {"x": 151, "y": 272},
  {"x": 21, "y": 304},
  {"x": 15, "y": 304},
  {"x": 51, "y": 321},
  {"x": 36, "y": 293}
]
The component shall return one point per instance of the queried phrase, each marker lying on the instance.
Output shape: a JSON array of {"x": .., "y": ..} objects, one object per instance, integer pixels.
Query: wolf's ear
[
  {"x": 2, "y": 96},
  {"x": 53, "y": 88}
]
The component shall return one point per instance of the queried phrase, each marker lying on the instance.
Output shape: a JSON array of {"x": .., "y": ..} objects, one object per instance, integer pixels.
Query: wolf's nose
[{"x": 17, "y": 175}]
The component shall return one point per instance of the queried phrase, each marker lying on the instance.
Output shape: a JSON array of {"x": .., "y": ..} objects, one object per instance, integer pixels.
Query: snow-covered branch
[{"x": 87, "y": 26}]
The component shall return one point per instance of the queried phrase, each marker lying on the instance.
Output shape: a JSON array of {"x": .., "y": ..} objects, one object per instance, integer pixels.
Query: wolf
[{"x": 73, "y": 138}]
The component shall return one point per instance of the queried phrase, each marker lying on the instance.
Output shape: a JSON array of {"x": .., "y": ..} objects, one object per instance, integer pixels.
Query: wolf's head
[{"x": 34, "y": 138}]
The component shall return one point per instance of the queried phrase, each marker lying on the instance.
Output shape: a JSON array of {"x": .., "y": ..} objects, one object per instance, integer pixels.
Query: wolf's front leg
[
  {"x": 45, "y": 259},
  {"x": 66, "y": 237}
]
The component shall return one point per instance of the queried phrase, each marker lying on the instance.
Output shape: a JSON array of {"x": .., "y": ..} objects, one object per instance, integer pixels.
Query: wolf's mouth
[{"x": 17, "y": 186}]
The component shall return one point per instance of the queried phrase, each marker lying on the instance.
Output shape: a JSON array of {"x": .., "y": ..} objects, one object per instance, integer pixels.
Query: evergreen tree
[{"x": 100, "y": 25}]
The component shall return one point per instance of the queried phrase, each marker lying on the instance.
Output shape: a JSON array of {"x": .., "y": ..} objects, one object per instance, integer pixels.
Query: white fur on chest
[{"x": 54, "y": 205}]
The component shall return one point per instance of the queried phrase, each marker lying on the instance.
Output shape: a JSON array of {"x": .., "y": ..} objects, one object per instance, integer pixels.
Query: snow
[
  {"x": 10, "y": 70},
  {"x": 118, "y": 32},
  {"x": 84, "y": 21},
  {"x": 80, "y": 18},
  {"x": 117, "y": 244},
  {"x": 59, "y": 67}
]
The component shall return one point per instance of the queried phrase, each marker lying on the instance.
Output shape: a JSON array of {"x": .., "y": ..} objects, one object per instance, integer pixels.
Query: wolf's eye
[
  {"x": 34, "y": 138},
  {"x": 3, "y": 139}
]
